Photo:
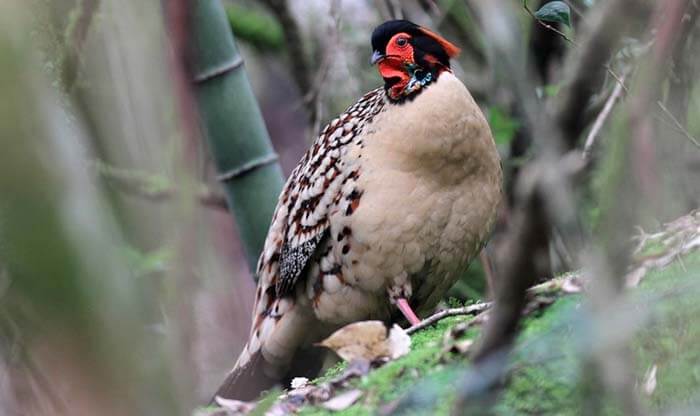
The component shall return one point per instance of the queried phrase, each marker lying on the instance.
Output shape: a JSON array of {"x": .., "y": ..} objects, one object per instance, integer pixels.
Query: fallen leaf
[
  {"x": 298, "y": 382},
  {"x": 650, "y": 381},
  {"x": 368, "y": 340},
  {"x": 235, "y": 406},
  {"x": 633, "y": 278},
  {"x": 343, "y": 401},
  {"x": 399, "y": 342},
  {"x": 460, "y": 347},
  {"x": 571, "y": 285},
  {"x": 451, "y": 340}
]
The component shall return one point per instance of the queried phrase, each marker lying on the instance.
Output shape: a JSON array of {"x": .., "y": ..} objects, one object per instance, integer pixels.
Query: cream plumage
[{"x": 387, "y": 208}]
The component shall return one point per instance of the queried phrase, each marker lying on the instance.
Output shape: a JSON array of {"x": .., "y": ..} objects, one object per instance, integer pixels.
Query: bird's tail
[
  {"x": 247, "y": 378},
  {"x": 279, "y": 348}
]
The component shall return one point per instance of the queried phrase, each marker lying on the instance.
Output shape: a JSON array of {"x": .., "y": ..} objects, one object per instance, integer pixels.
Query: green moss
[
  {"x": 548, "y": 362},
  {"x": 546, "y": 371},
  {"x": 672, "y": 340}
]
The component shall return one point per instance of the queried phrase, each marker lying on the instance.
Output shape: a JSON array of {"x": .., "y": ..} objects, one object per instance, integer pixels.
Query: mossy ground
[{"x": 551, "y": 355}]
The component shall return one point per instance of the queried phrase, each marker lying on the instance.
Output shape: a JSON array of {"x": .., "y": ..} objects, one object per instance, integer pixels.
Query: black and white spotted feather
[{"x": 311, "y": 193}]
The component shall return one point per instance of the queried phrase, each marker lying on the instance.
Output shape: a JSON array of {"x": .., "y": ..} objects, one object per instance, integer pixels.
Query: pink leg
[{"x": 406, "y": 310}]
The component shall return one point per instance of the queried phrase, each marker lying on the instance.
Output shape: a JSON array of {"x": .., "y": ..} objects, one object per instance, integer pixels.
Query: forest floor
[{"x": 550, "y": 358}]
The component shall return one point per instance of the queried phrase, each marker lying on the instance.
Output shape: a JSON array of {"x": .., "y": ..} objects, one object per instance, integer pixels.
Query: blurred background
[{"x": 124, "y": 285}]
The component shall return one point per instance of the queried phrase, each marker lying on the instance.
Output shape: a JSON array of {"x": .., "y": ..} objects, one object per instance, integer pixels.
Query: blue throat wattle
[{"x": 419, "y": 79}]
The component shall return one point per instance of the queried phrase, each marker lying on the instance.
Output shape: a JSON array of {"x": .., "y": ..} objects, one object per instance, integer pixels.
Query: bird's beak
[{"x": 376, "y": 57}]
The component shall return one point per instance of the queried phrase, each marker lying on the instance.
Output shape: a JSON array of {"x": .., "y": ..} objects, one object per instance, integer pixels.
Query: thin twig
[
  {"x": 620, "y": 80},
  {"x": 602, "y": 117},
  {"x": 678, "y": 125},
  {"x": 446, "y": 313},
  {"x": 47, "y": 389}
]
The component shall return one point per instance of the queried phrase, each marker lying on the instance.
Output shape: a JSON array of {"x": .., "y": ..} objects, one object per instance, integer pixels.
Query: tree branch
[
  {"x": 74, "y": 40},
  {"x": 155, "y": 188},
  {"x": 601, "y": 119}
]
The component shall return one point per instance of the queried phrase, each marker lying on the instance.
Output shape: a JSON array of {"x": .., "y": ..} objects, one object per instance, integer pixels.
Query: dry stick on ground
[{"x": 446, "y": 313}]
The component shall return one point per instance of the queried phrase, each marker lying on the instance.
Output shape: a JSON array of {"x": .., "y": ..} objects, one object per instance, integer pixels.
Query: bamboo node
[
  {"x": 247, "y": 167},
  {"x": 218, "y": 70}
]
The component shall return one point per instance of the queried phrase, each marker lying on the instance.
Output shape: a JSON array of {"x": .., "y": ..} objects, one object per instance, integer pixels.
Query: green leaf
[
  {"x": 555, "y": 12},
  {"x": 256, "y": 28},
  {"x": 552, "y": 90}
]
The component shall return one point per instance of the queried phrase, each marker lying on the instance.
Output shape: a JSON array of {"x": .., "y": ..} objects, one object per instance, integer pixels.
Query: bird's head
[{"x": 409, "y": 57}]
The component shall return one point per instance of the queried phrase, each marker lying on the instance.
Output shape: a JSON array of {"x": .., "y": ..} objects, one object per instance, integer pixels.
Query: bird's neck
[{"x": 413, "y": 81}]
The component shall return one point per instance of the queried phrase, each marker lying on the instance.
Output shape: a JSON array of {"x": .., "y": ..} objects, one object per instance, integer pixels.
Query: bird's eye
[{"x": 402, "y": 41}]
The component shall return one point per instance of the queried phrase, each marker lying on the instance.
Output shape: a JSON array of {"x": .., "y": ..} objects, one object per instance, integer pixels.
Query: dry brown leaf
[
  {"x": 236, "y": 406},
  {"x": 367, "y": 340},
  {"x": 343, "y": 400}
]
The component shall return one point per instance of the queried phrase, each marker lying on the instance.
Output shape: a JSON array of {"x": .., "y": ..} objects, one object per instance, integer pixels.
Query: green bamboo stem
[{"x": 234, "y": 127}]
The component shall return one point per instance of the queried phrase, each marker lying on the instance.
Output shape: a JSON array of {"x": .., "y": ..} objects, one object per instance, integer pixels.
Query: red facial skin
[{"x": 399, "y": 53}]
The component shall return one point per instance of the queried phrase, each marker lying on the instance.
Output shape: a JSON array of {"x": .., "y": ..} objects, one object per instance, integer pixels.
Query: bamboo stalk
[{"x": 234, "y": 127}]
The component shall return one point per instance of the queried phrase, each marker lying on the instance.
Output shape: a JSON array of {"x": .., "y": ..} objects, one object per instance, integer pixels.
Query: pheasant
[{"x": 381, "y": 215}]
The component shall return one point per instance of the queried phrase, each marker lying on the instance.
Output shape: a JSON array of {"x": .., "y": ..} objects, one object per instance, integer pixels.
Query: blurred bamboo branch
[{"x": 155, "y": 188}]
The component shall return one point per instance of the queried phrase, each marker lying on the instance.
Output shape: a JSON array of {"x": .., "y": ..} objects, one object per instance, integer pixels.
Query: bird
[{"x": 383, "y": 213}]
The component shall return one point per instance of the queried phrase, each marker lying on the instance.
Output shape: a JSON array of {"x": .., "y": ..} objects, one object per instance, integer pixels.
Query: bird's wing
[
  {"x": 301, "y": 220},
  {"x": 299, "y": 226}
]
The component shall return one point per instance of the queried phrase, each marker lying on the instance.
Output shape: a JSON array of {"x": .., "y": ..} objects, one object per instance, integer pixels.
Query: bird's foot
[{"x": 406, "y": 310}]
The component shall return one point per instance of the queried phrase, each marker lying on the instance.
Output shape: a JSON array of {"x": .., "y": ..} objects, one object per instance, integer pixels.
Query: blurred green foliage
[
  {"x": 470, "y": 286},
  {"x": 503, "y": 126},
  {"x": 143, "y": 264},
  {"x": 255, "y": 28}
]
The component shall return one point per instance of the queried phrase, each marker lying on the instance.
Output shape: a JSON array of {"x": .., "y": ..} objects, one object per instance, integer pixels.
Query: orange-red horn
[{"x": 448, "y": 46}]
